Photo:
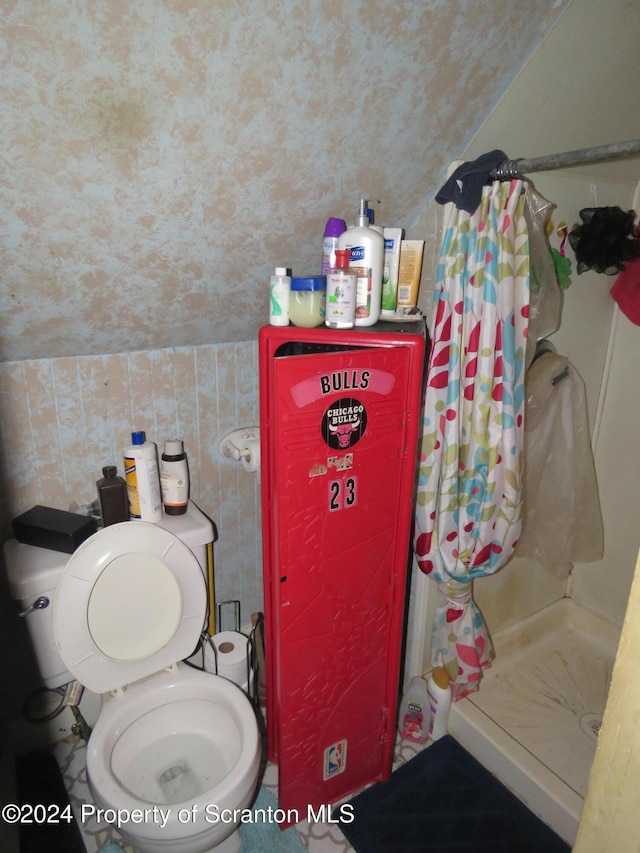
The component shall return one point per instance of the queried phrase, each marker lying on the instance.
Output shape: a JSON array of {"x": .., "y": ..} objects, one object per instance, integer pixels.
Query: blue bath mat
[
  {"x": 260, "y": 836},
  {"x": 444, "y": 801}
]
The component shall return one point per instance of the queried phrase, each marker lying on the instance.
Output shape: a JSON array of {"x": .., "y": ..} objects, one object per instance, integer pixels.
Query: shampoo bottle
[
  {"x": 366, "y": 255},
  {"x": 143, "y": 480},
  {"x": 174, "y": 478},
  {"x": 279, "y": 292},
  {"x": 415, "y": 713},
  {"x": 439, "y": 691}
]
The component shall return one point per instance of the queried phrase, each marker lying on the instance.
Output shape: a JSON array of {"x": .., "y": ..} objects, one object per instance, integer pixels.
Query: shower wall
[
  {"x": 570, "y": 95},
  {"x": 603, "y": 345}
]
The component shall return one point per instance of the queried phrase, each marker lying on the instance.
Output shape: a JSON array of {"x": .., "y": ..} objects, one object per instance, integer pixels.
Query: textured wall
[
  {"x": 62, "y": 419},
  {"x": 158, "y": 158}
]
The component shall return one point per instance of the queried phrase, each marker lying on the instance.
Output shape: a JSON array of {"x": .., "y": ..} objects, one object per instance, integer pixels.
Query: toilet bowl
[
  {"x": 174, "y": 754},
  {"x": 182, "y": 752}
]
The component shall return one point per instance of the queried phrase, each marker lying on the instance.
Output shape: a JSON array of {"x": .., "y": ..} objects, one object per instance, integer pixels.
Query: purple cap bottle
[{"x": 332, "y": 231}]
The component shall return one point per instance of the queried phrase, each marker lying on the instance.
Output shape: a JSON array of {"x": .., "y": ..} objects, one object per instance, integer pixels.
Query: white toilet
[{"x": 174, "y": 748}]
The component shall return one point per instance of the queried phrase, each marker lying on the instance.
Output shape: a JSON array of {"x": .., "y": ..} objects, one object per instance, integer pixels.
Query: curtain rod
[{"x": 598, "y": 154}]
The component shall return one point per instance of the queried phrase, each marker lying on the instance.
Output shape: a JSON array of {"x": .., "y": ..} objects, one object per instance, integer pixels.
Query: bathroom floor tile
[{"x": 71, "y": 753}]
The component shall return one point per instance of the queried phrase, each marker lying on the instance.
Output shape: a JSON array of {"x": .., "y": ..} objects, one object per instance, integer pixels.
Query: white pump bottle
[{"x": 366, "y": 250}]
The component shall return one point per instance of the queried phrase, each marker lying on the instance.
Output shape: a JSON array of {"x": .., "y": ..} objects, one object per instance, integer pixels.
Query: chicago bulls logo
[{"x": 344, "y": 423}]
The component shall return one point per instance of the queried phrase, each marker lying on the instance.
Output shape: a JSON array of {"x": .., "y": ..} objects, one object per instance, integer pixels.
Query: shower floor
[{"x": 536, "y": 718}]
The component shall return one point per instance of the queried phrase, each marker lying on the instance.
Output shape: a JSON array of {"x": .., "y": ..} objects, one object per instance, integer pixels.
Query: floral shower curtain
[{"x": 468, "y": 514}]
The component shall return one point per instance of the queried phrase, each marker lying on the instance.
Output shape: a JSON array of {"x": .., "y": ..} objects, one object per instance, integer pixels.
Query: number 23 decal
[{"x": 342, "y": 494}]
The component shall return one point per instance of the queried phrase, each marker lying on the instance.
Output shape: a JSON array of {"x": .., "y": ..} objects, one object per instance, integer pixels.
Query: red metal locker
[{"x": 340, "y": 414}]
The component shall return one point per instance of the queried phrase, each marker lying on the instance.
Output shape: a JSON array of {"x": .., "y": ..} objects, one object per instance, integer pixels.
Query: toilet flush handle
[{"x": 38, "y": 604}]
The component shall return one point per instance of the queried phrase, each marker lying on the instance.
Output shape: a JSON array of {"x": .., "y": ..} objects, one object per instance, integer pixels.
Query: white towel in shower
[{"x": 562, "y": 517}]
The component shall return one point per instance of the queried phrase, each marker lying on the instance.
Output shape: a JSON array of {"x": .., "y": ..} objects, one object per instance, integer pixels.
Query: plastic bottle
[
  {"x": 174, "y": 477},
  {"x": 143, "y": 481},
  {"x": 341, "y": 293},
  {"x": 112, "y": 496},
  {"x": 415, "y": 713},
  {"x": 279, "y": 290},
  {"x": 332, "y": 231},
  {"x": 366, "y": 248},
  {"x": 439, "y": 691},
  {"x": 392, "y": 242}
]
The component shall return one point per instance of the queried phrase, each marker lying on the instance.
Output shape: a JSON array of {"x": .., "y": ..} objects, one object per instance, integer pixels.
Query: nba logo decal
[{"x": 335, "y": 759}]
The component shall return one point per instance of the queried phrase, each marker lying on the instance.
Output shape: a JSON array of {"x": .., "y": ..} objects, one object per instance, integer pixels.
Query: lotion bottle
[
  {"x": 279, "y": 294},
  {"x": 392, "y": 241},
  {"x": 439, "y": 691},
  {"x": 366, "y": 255},
  {"x": 143, "y": 480}
]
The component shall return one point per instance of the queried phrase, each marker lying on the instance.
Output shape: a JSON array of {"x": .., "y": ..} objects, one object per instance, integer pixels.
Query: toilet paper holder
[
  {"x": 250, "y": 677},
  {"x": 233, "y": 602},
  {"x": 233, "y": 445}
]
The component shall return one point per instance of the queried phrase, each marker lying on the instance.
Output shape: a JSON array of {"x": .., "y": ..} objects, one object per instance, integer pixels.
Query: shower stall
[{"x": 535, "y": 720}]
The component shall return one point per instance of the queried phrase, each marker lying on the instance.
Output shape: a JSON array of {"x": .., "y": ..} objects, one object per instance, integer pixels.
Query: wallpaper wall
[{"x": 158, "y": 158}]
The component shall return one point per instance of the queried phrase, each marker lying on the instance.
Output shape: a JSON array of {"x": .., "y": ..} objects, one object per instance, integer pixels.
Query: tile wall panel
[{"x": 63, "y": 419}]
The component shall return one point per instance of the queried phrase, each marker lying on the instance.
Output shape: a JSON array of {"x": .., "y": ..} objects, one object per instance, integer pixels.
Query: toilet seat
[{"x": 130, "y": 601}]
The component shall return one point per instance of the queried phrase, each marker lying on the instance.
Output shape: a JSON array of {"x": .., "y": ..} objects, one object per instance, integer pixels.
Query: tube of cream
[
  {"x": 411, "y": 252},
  {"x": 392, "y": 241}
]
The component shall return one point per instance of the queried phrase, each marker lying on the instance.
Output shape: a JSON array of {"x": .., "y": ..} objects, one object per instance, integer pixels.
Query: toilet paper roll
[
  {"x": 251, "y": 461},
  {"x": 231, "y": 651}
]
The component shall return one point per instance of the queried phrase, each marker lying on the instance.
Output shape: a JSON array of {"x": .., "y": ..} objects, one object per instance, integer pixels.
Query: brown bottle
[
  {"x": 174, "y": 478},
  {"x": 112, "y": 494}
]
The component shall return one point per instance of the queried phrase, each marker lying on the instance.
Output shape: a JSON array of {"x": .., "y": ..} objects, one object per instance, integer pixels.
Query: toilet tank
[
  {"x": 194, "y": 529},
  {"x": 33, "y": 572}
]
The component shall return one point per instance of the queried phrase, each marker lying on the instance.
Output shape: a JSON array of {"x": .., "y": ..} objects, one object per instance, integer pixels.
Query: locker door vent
[{"x": 305, "y": 348}]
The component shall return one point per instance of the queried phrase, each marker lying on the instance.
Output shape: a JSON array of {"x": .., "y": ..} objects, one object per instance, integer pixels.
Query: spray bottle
[
  {"x": 333, "y": 229},
  {"x": 366, "y": 255}
]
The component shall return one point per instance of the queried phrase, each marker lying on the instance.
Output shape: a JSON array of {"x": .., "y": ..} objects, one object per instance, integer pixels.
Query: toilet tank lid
[
  {"x": 32, "y": 571},
  {"x": 193, "y": 527}
]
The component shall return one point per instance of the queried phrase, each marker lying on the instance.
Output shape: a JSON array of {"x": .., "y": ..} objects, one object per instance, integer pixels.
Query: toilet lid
[{"x": 130, "y": 601}]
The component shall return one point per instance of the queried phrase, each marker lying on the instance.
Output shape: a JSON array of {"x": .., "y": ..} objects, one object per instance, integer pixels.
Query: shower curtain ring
[{"x": 508, "y": 171}]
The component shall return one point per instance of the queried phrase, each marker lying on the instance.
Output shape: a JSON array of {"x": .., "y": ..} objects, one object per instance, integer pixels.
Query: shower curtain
[{"x": 468, "y": 513}]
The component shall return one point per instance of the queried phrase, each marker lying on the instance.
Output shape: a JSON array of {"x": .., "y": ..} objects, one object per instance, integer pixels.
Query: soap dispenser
[{"x": 366, "y": 256}]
